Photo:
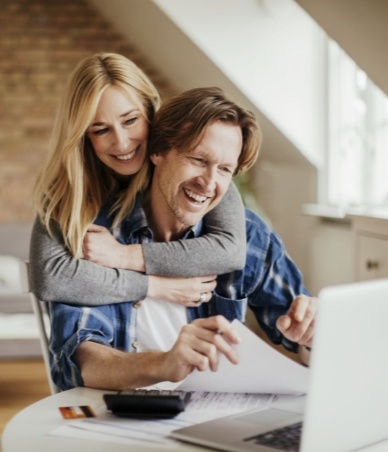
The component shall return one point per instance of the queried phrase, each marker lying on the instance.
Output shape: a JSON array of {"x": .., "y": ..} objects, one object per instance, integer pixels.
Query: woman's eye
[
  {"x": 100, "y": 131},
  {"x": 130, "y": 121}
]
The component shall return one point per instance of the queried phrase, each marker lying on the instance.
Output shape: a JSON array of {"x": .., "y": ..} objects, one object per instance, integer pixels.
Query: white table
[{"x": 28, "y": 430}]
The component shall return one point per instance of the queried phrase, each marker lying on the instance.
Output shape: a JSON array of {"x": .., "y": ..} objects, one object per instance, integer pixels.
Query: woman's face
[{"x": 119, "y": 131}]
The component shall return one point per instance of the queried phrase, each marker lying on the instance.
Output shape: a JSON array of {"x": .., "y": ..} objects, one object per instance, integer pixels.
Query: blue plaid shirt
[{"x": 267, "y": 285}]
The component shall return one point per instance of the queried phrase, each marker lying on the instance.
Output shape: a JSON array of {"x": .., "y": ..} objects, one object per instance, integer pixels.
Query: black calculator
[{"x": 147, "y": 403}]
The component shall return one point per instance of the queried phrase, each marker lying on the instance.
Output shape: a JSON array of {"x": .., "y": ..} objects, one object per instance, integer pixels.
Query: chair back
[{"x": 42, "y": 319}]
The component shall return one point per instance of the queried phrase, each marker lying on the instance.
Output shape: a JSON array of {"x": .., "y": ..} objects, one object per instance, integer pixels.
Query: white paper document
[{"x": 261, "y": 369}]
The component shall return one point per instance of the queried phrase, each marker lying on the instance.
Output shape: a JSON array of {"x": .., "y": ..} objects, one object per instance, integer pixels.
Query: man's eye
[{"x": 199, "y": 161}]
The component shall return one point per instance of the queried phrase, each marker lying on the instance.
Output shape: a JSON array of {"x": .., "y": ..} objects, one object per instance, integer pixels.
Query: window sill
[
  {"x": 326, "y": 212},
  {"x": 344, "y": 215}
]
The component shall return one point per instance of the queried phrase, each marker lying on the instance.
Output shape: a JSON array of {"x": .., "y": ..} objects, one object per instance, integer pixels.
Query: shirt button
[
  {"x": 137, "y": 305},
  {"x": 135, "y": 345}
]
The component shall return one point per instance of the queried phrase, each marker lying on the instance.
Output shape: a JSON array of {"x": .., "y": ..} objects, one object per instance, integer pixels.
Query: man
[{"x": 199, "y": 141}]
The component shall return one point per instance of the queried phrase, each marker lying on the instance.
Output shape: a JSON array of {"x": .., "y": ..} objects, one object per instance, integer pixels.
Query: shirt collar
[
  {"x": 137, "y": 219},
  {"x": 194, "y": 231}
]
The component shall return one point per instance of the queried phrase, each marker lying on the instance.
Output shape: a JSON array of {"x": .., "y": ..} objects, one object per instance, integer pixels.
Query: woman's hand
[
  {"x": 187, "y": 292},
  {"x": 102, "y": 248}
]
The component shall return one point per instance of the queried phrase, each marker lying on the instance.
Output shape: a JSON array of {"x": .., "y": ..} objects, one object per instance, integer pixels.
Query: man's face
[{"x": 187, "y": 185}]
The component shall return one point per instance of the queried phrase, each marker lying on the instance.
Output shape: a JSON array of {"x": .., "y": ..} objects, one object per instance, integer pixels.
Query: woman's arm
[
  {"x": 221, "y": 250},
  {"x": 55, "y": 276}
]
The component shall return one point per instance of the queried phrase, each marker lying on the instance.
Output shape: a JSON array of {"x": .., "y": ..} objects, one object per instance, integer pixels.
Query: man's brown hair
[{"x": 183, "y": 119}]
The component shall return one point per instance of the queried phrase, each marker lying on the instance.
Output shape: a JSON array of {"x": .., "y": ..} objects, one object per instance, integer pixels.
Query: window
[{"x": 357, "y": 159}]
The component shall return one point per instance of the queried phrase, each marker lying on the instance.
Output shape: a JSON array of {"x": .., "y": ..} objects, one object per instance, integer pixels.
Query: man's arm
[
  {"x": 85, "y": 342},
  {"x": 282, "y": 305},
  {"x": 104, "y": 367},
  {"x": 197, "y": 347}
]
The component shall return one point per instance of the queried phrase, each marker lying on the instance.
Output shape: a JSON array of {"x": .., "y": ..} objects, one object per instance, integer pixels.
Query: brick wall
[{"x": 40, "y": 43}]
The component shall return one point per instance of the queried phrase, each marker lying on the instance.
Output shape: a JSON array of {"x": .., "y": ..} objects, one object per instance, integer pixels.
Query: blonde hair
[{"x": 74, "y": 183}]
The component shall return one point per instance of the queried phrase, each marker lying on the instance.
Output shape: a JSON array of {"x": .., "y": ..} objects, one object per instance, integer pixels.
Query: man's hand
[
  {"x": 298, "y": 324},
  {"x": 198, "y": 346}
]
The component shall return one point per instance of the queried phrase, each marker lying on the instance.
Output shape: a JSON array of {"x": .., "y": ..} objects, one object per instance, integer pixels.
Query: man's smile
[{"x": 195, "y": 197}]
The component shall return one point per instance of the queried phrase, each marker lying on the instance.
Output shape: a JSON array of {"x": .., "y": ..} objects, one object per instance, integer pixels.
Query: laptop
[{"x": 346, "y": 407}]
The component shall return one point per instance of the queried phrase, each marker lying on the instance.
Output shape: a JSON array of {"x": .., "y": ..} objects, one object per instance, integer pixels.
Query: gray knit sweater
[{"x": 56, "y": 276}]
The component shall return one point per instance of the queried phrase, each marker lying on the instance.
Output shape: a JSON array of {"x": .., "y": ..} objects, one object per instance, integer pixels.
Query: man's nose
[{"x": 209, "y": 178}]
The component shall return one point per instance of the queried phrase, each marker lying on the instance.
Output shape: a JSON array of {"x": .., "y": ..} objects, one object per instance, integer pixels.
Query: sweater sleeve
[
  {"x": 56, "y": 276},
  {"x": 221, "y": 250}
]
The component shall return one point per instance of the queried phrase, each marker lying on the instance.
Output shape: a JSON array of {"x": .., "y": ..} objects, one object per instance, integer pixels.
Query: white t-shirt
[{"x": 158, "y": 324}]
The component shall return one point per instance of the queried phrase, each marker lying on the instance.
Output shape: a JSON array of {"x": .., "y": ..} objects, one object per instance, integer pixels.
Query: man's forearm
[
  {"x": 103, "y": 367},
  {"x": 198, "y": 346}
]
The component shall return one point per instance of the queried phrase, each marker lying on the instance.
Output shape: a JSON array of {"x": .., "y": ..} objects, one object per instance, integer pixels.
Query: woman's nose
[{"x": 122, "y": 140}]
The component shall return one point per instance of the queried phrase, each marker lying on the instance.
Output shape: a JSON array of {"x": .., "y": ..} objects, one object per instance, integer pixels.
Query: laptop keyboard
[{"x": 284, "y": 438}]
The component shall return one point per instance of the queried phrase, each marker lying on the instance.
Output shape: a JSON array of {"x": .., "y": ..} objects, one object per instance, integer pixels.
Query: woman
[{"x": 98, "y": 156}]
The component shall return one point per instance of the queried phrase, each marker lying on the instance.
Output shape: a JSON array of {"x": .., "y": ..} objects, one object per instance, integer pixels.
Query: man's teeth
[
  {"x": 126, "y": 157},
  {"x": 195, "y": 196}
]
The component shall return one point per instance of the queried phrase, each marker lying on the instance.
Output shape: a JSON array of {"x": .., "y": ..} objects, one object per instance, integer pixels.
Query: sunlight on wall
[{"x": 272, "y": 50}]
